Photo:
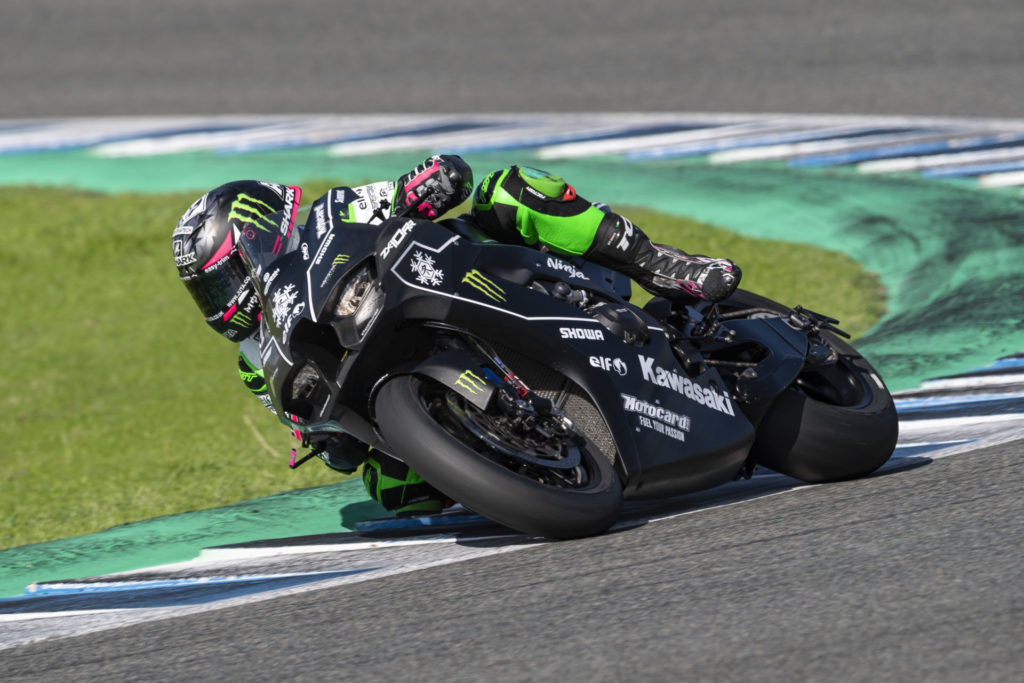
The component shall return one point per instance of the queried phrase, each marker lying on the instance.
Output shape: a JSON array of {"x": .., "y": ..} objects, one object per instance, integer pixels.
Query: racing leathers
[
  {"x": 526, "y": 206},
  {"x": 516, "y": 205},
  {"x": 387, "y": 480}
]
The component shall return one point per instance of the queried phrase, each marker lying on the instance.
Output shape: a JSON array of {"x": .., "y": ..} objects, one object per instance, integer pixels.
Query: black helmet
[{"x": 208, "y": 261}]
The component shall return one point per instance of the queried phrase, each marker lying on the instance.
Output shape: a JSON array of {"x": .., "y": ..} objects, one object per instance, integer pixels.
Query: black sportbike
[{"x": 526, "y": 386}]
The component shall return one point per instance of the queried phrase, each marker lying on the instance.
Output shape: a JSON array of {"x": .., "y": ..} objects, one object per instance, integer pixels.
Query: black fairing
[{"x": 673, "y": 432}]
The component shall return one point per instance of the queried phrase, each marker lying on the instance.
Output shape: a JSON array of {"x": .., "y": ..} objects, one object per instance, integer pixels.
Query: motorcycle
[{"x": 525, "y": 386}]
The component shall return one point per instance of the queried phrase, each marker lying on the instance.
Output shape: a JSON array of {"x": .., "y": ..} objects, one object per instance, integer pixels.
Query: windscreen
[{"x": 268, "y": 238}]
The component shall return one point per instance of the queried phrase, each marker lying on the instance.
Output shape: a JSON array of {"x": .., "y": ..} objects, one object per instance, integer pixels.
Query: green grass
[{"x": 119, "y": 403}]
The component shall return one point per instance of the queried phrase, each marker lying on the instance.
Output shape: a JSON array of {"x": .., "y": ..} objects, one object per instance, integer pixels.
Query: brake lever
[{"x": 815, "y": 322}]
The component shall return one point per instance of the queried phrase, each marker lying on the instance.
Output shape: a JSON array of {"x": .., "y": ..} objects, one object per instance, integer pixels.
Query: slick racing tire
[
  {"x": 832, "y": 423},
  {"x": 460, "y": 450}
]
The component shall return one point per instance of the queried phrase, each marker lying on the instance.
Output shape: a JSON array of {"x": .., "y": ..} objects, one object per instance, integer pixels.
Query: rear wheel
[
  {"x": 537, "y": 481},
  {"x": 834, "y": 422}
]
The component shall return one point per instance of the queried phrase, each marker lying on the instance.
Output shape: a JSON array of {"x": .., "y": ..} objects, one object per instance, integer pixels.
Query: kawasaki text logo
[
  {"x": 706, "y": 396},
  {"x": 483, "y": 284},
  {"x": 469, "y": 381}
]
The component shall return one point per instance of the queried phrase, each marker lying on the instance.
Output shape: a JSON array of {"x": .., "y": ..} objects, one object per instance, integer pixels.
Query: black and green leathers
[
  {"x": 391, "y": 483},
  {"x": 521, "y": 205}
]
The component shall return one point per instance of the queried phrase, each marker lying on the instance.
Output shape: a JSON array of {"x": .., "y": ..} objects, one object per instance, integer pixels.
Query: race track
[
  {"x": 923, "y": 57},
  {"x": 909, "y": 575},
  {"x": 914, "y": 574}
]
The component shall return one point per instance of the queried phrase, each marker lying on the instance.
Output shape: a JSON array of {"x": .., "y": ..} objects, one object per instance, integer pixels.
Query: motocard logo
[
  {"x": 573, "y": 271},
  {"x": 397, "y": 238},
  {"x": 656, "y": 418},
  {"x": 705, "y": 396},
  {"x": 609, "y": 364},
  {"x": 632, "y": 404},
  {"x": 581, "y": 333}
]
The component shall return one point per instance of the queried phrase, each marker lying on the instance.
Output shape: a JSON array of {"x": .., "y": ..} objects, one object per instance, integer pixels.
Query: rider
[{"x": 517, "y": 205}]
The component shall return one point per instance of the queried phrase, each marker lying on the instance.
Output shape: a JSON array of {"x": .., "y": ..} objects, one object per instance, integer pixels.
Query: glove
[
  {"x": 433, "y": 188},
  {"x": 343, "y": 453}
]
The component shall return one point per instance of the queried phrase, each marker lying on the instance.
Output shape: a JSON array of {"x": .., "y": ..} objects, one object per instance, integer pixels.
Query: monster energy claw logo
[
  {"x": 248, "y": 209},
  {"x": 241, "y": 318},
  {"x": 340, "y": 259},
  {"x": 485, "y": 285},
  {"x": 469, "y": 381}
]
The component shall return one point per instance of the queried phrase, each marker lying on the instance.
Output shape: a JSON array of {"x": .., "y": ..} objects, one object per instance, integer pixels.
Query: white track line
[
  {"x": 917, "y": 163},
  {"x": 1008, "y": 179}
]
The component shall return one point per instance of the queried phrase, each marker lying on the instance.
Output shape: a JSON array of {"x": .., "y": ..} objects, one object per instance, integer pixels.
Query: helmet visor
[{"x": 215, "y": 288}]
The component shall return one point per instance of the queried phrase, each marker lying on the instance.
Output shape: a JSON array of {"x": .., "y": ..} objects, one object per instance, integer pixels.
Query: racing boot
[{"x": 660, "y": 269}]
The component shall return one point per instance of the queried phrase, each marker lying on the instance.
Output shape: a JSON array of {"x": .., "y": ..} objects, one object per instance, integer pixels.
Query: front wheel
[{"x": 540, "y": 484}]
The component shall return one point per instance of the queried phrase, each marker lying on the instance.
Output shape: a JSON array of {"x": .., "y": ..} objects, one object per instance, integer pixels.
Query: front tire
[{"x": 425, "y": 423}]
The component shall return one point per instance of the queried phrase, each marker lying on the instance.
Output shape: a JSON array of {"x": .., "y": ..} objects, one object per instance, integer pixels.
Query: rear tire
[
  {"x": 419, "y": 419},
  {"x": 832, "y": 423}
]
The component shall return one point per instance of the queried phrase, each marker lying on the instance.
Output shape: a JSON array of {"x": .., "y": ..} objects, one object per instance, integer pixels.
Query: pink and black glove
[{"x": 433, "y": 188}]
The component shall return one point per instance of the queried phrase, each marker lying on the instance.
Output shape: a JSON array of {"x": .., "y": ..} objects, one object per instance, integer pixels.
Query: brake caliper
[{"x": 532, "y": 413}]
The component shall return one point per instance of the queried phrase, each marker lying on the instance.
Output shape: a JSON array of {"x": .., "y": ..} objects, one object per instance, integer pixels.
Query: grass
[{"x": 120, "y": 404}]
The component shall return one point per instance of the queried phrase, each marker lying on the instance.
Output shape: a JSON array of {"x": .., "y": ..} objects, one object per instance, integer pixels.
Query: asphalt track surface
[
  {"x": 923, "y": 57},
  {"x": 913, "y": 575}
]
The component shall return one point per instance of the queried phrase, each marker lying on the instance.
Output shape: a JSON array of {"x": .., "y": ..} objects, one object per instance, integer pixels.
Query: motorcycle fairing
[{"x": 639, "y": 390}]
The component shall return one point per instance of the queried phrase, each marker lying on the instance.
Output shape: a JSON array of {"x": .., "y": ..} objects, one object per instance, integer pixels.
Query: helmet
[{"x": 208, "y": 261}]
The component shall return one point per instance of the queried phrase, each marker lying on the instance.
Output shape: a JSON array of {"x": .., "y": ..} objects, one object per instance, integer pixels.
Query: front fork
[{"x": 523, "y": 408}]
